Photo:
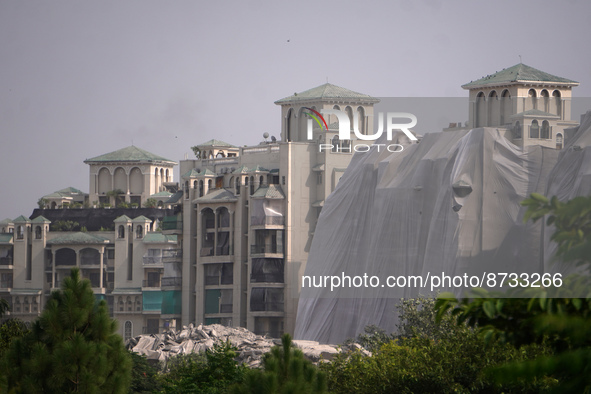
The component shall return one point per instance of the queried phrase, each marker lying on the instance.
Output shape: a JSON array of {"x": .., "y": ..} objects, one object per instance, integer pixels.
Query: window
[
  {"x": 238, "y": 186},
  {"x": 319, "y": 178},
  {"x": 139, "y": 231},
  {"x": 128, "y": 332},
  {"x": 534, "y": 130},
  {"x": 20, "y": 232},
  {"x": 38, "y": 232},
  {"x": 121, "y": 232}
]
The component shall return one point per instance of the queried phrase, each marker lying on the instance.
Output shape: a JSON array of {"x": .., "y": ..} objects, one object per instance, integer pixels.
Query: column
[
  {"x": 231, "y": 232},
  {"x": 215, "y": 234},
  {"x": 77, "y": 258},
  {"x": 53, "y": 269},
  {"x": 101, "y": 269}
]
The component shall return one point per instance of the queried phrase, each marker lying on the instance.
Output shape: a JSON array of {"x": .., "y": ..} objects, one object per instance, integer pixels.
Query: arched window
[
  {"x": 545, "y": 100},
  {"x": 534, "y": 129},
  {"x": 493, "y": 109},
  {"x": 128, "y": 332},
  {"x": 237, "y": 185},
  {"x": 557, "y": 103},
  {"x": 121, "y": 231},
  {"x": 20, "y": 232},
  {"x": 349, "y": 112},
  {"x": 38, "y": 232},
  {"x": 361, "y": 120},
  {"x": 186, "y": 190},
  {"x": 517, "y": 130},
  {"x": 480, "y": 110},
  {"x": 139, "y": 231},
  {"x": 209, "y": 184},
  {"x": 335, "y": 144},
  {"x": 251, "y": 185},
  {"x": 532, "y": 100},
  {"x": 559, "y": 141},
  {"x": 120, "y": 303},
  {"x": 129, "y": 304},
  {"x": 201, "y": 188},
  {"x": 261, "y": 181},
  {"x": 195, "y": 183},
  {"x": 505, "y": 106},
  {"x": 545, "y": 130}
]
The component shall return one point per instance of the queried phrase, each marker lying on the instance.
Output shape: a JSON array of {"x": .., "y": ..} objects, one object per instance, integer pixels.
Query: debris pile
[{"x": 191, "y": 339}]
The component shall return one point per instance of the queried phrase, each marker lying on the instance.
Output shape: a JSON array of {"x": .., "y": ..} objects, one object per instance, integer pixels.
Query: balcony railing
[
  {"x": 5, "y": 260},
  {"x": 260, "y": 249},
  {"x": 267, "y": 307},
  {"x": 207, "y": 251},
  {"x": 6, "y": 284},
  {"x": 172, "y": 254},
  {"x": 267, "y": 220},
  {"x": 152, "y": 260},
  {"x": 172, "y": 281},
  {"x": 150, "y": 283},
  {"x": 267, "y": 278}
]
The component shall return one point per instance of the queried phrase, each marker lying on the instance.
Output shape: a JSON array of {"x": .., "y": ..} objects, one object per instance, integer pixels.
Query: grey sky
[{"x": 79, "y": 78}]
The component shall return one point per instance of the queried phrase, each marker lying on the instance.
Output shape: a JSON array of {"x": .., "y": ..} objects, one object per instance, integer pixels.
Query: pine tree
[
  {"x": 285, "y": 370},
  {"x": 72, "y": 347}
]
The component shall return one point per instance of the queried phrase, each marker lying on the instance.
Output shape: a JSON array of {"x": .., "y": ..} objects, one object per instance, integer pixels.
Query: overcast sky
[{"x": 81, "y": 78}]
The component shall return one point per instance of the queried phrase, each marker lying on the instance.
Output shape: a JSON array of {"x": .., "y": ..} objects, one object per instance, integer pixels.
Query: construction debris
[{"x": 191, "y": 339}]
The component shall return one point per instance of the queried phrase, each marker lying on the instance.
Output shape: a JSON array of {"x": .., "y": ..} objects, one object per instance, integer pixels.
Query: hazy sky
[{"x": 81, "y": 78}]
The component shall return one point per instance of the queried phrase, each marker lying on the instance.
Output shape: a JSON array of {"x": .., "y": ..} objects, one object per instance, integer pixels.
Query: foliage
[
  {"x": 75, "y": 205},
  {"x": 538, "y": 315},
  {"x": 422, "y": 365},
  {"x": 105, "y": 205},
  {"x": 115, "y": 192},
  {"x": 285, "y": 370},
  {"x": 65, "y": 225},
  {"x": 4, "y": 307},
  {"x": 427, "y": 355},
  {"x": 196, "y": 151},
  {"x": 150, "y": 203},
  {"x": 9, "y": 330},
  {"x": 42, "y": 203},
  {"x": 143, "y": 375},
  {"x": 71, "y": 347},
  {"x": 123, "y": 204},
  {"x": 211, "y": 373}
]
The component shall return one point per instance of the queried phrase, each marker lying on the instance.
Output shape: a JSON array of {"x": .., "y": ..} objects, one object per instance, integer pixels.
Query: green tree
[
  {"x": 540, "y": 315},
  {"x": 150, "y": 203},
  {"x": 212, "y": 373},
  {"x": 196, "y": 151},
  {"x": 285, "y": 370},
  {"x": 144, "y": 377},
  {"x": 65, "y": 225},
  {"x": 42, "y": 203},
  {"x": 72, "y": 347},
  {"x": 9, "y": 330}
]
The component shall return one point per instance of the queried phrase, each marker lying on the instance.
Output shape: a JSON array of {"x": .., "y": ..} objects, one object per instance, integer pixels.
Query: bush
[{"x": 428, "y": 356}]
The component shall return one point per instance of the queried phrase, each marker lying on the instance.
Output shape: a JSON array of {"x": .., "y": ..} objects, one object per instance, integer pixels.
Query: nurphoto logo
[{"x": 345, "y": 129}]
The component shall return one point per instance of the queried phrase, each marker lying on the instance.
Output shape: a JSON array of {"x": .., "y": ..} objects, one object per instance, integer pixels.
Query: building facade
[{"x": 229, "y": 243}]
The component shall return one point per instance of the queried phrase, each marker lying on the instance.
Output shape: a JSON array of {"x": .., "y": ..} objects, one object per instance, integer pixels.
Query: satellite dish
[{"x": 265, "y": 135}]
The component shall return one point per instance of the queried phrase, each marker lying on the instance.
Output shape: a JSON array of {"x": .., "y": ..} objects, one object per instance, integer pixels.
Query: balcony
[
  {"x": 5, "y": 261},
  {"x": 172, "y": 281}
]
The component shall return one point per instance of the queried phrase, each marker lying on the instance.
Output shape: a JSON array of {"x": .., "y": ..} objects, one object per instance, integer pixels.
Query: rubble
[{"x": 191, "y": 339}]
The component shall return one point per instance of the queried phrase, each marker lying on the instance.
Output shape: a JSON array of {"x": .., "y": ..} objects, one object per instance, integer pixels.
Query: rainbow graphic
[{"x": 316, "y": 118}]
